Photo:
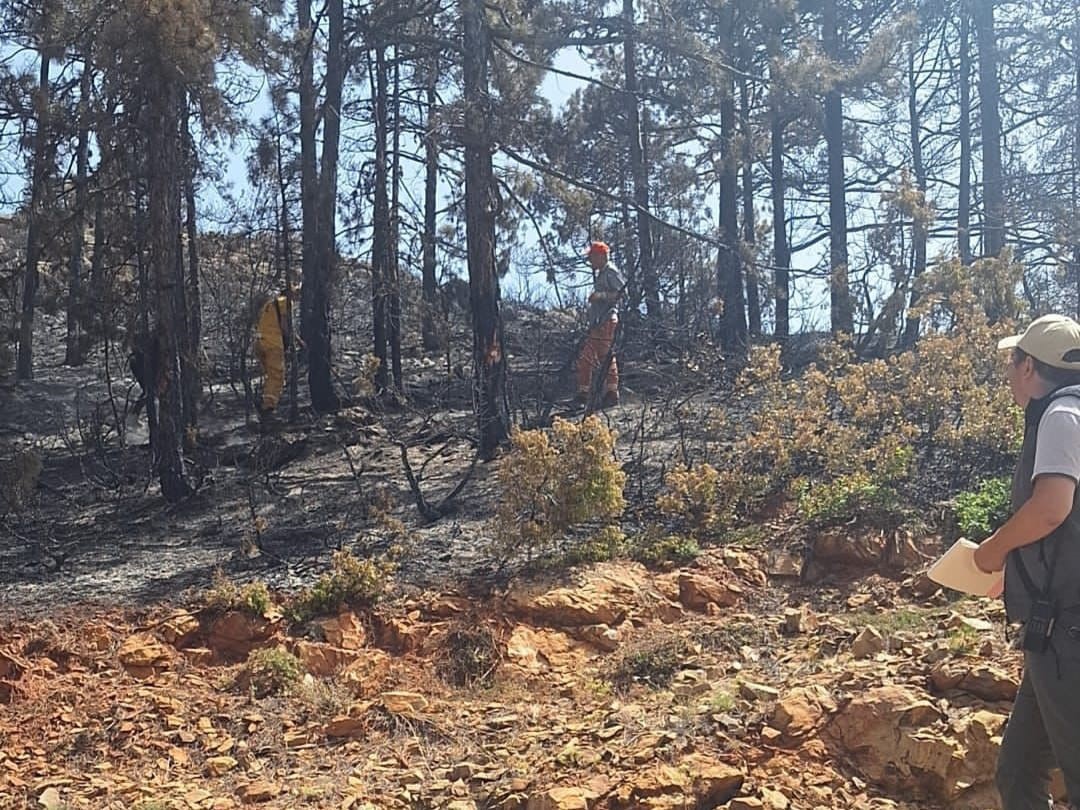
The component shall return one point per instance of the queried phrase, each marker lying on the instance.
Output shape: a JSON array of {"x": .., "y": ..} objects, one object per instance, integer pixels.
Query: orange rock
[
  {"x": 260, "y": 791},
  {"x": 218, "y": 766},
  {"x": 399, "y": 634},
  {"x": 11, "y": 668},
  {"x": 367, "y": 673},
  {"x": 235, "y": 634},
  {"x": 894, "y": 736},
  {"x": 698, "y": 591},
  {"x": 561, "y": 798},
  {"x": 802, "y": 710},
  {"x": 446, "y": 607},
  {"x": 180, "y": 628},
  {"x": 143, "y": 652},
  {"x": 199, "y": 656},
  {"x": 345, "y": 631},
  {"x": 323, "y": 660},
  {"x": 404, "y": 703},
  {"x": 606, "y": 595}
]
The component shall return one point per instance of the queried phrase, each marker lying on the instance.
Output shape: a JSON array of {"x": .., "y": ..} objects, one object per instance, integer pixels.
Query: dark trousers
[{"x": 1043, "y": 731}]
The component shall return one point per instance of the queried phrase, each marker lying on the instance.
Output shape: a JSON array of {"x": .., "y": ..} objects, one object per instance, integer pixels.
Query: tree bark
[
  {"x": 963, "y": 215},
  {"x": 395, "y": 214},
  {"x": 309, "y": 180},
  {"x": 164, "y": 162},
  {"x": 320, "y": 381},
  {"x": 290, "y": 277},
  {"x": 778, "y": 191},
  {"x": 842, "y": 317},
  {"x": 753, "y": 299},
  {"x": 192, "y": 349},
  {"x": 489, "y": 360},
  {"x": 639, "y": 170},
  {"x": 24, "y": 364},
  {"x": 430, "y": 334},
  {"x": 919, "y": 225},
  {"x": 380, "y": 233},
  {"x": 76, "y": 306},
  {"x": 97, "y": 261},
  {"x": 733, "y": 330},
  {"x": 990, "y": 121}
]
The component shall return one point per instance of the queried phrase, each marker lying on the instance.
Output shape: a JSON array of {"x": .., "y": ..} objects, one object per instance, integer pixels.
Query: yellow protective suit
[{"x": 270, "y": 330}]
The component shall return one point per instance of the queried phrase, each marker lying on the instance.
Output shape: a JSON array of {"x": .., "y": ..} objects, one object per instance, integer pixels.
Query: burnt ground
[{"x": 275, "y": 507}]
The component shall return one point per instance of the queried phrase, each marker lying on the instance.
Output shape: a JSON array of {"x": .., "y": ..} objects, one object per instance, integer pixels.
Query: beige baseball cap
[{"x": 1053, "y": 339}]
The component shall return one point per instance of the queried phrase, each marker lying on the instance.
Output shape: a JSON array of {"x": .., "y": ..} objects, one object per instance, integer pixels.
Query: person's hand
[{"x": 988, "y": 557}]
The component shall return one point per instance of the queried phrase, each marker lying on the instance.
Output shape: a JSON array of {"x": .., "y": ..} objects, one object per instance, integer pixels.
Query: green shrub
[
  {"x": 553, "y": 484},
  {"x": 672, "y": 548},
  {"x": 606, "y": 544},
  {"x": 350, "y": 581},
  {"x": 691, "y": 495},
  {"x": 904, "y": 428},
  {"x": 847, "y": 498},
  {"x": 963, "y": 642},
  {"x": 225, "y": 595},
  {"x": 981, "y": 511},
  {"x": 271, "y": 671}
]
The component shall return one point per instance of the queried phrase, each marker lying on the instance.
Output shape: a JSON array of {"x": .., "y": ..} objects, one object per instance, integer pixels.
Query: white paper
[{"x": 957, "y": 571}]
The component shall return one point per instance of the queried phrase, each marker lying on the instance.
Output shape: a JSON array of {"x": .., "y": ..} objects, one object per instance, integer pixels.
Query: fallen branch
[{"x": 446, "y": 505}]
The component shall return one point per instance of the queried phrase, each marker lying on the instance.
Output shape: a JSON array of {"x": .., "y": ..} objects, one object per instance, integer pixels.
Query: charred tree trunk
[
  {"x": 639, "y": 170},
  {"x": 733, "y": 330},
  {"x": 778, "y": 192},
  {"x": 192, "y": 349},
  {"x": 165, "y": 166},
  {"x": 97, "y": 261},
  {"x": 393, "y": 265},
  {"x": 320, "y": 381},
  {"x": 290, "y": 280},
  {"x": 24, "y": 364},
  {"x": 489, "y": 360},
  {"x": 309, "y": 178},
  {"x": 76, "y": 306},
  {"x": 990, "y": 119},
  {"x": 963, "y": 214},
  {"x": 749, "y": 236},
  {"x": 380, "y": 235},
  {"x": 429, "y": 332},
  {"x": 842, "y": 316},
  {"x": 919, "y": 223}
]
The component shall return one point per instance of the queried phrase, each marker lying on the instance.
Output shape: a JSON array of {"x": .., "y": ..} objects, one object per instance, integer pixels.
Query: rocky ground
[
  {"x": 761, "y": 676},
  {"x": 716, "y": 685}
]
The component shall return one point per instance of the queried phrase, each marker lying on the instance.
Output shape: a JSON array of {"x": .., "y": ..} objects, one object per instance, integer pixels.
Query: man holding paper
[{"x": 1039, "y": 550}]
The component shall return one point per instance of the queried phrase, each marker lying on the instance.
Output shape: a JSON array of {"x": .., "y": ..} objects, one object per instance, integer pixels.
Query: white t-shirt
[{"x": 1057, "y": 451}]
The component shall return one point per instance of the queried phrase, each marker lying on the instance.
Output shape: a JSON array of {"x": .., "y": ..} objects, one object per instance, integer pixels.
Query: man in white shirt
[{"x": 1039, "y": 550}]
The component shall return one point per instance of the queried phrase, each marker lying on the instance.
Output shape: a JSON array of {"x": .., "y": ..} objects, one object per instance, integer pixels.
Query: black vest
[{"x": 1061, "y": 547}]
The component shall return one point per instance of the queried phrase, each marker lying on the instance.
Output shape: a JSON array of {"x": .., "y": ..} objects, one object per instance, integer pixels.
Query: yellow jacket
[{"x": 273, "y": 323}]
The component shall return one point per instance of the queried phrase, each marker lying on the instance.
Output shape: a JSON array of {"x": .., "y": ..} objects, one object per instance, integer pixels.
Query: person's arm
[{"x": 1047, "y": 508}]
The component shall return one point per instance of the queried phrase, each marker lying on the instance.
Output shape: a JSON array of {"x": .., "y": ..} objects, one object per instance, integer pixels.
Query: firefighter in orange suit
[
  {"x": 273, "y": 331},
  {"x": 604, "y": 300}
]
